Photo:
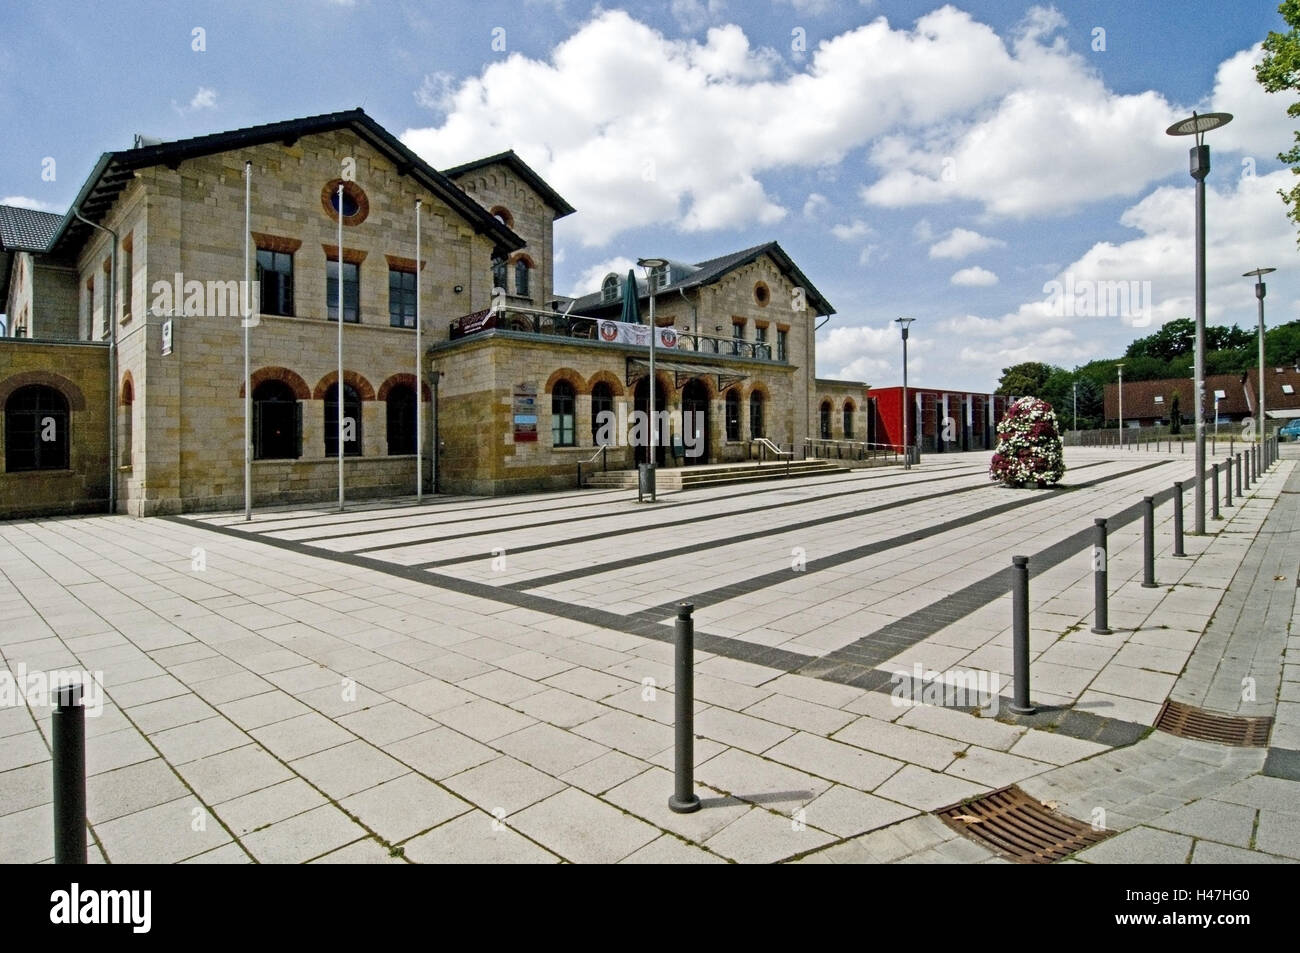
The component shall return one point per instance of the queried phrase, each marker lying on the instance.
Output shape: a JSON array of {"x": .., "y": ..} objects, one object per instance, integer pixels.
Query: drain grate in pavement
[
  {"x": 1185, "y": 721},
  {"x": 1011, "y": 823}
]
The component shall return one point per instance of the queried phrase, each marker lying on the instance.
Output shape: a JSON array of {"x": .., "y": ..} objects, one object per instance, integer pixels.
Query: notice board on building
[{"x": 525, "y": 413}]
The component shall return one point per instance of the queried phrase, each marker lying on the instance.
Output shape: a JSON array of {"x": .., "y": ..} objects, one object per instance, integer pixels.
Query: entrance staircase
[{"x": 687, "y": 478}]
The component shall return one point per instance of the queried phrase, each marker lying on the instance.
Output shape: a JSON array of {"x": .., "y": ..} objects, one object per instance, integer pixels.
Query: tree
[
  {"x": 1025, "y": 380},
  {"x": 1278, "y": 71},
  {"x": 1281, "y": 346},
  {"x": 1174, "y": 338}
]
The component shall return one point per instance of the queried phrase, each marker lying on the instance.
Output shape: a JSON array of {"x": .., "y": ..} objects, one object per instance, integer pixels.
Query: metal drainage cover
[
  {"x": 1184, "y": 721},
  {"x": 1011, "y": 823}
]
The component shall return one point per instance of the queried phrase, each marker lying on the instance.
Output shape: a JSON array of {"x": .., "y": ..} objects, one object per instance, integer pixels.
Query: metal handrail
[
  {"x": 864, "y": 450},
  {"x": 603, "y": 453},
  {"x": 765, "y": 445}
]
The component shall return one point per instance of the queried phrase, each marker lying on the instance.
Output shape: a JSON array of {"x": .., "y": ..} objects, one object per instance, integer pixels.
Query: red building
[{"x": 949, "y": 420}]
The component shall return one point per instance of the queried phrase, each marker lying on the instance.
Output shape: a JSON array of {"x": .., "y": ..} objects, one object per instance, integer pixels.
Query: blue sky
[{"x": 943, "y": 162}]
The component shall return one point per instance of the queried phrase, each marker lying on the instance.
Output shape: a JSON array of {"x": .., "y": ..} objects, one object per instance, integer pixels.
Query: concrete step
[{"x": 684, "y": 478}]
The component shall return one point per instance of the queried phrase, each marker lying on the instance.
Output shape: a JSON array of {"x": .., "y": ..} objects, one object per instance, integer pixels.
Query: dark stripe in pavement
[
  {"x": 733, "y": 590},
  {"x": 641, "y": 528}
]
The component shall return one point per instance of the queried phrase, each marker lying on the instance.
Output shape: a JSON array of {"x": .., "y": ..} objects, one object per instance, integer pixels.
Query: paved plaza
[{"x": 491, "y": 680}]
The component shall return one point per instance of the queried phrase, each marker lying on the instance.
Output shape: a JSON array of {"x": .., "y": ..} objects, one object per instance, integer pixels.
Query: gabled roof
[
  {"x": 713, "y": 270},
  {"x": 115, "y": 169},
  {"x": 1140, "y": 397},
  {"x": 25, "y": 229},
  {"x": 1276, "y": 380},
  {"x": 520, "y": 168}
]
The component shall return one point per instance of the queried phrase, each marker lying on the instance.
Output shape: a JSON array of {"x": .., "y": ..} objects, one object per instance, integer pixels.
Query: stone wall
[{"x": 79, "y": 371}]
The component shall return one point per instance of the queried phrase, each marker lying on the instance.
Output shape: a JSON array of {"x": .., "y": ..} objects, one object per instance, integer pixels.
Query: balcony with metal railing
[{"x": 552, "y": 324}]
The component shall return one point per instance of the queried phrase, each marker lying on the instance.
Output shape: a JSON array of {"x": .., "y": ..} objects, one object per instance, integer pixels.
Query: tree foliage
[
  {"x": 1025, "y": 380},
  {"x": 1280, "y": 71}
]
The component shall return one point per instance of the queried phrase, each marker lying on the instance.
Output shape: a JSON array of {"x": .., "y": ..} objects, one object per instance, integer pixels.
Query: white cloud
[
  {"x": 1249, "y": 228},
  {"x": 22, "y": 201},
  {"x": 1021, "y": 125},
  {"x": 962, "y": 242},
  {"x": 815, "y": 204},
  {"x": 435, "y": 91},
  {"x": 205, "y": 98},
  {"x": 869, "y": 253},
  {"x": 862, "y": 353},
  {"x": 923, "y": 230},
  {"x": 974, "y": 278},
  {"x": 590, "y": 278},
  {"x": 849, "y": 233},
  {"x": 695, "y": 15}
]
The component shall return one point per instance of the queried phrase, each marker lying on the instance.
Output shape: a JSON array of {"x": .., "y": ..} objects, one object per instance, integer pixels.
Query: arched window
[
  {"x": 521, "y": 278},
  {"x": 609, "y": 289},
  {"x": 733, "y": 414},
  {"x": 499, "y": 273},
  {"x": 277, "y": 422},
  {"x": 351, "y": 421},
  {"x": 401, "y": 420},
  {"x": 562, "y": 415},
  {"x": 826, "y": 420},
  {"x": 848, "y": 419},
  {"x": 36, "y": 429},
  {"x": 756, "y": 415},
  {"x": 602, "y": 402},
  {"x": 125, "y": 422}
]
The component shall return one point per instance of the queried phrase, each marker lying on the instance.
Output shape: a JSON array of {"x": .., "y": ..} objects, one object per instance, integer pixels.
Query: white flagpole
[
  {"x": 419, "y": 375},
  {"x": 248, "y": 381},
  {"x": 338, "y": 387}
]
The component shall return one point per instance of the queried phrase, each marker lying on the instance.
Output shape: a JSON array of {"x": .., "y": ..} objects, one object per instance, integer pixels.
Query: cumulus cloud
[
  {"x": 1019, "y": 124},
  {"x": 22, "y": 201},
  {"x": 695, "y": 15},
  {"x": 204, "y": 98},
  {"x": 815, "y": 204},
  {"x": 590, "y": 278},
  {"x": 962, "y": 242},
  {"x": 847, "y": 233},
  {"x": 1115, "y": 291},
  {"x": 974, "y": 278}
]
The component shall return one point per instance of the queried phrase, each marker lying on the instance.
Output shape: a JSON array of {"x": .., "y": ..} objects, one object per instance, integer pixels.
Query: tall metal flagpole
[
  {"x": 248, "y": 381},
  {"x": 419, "y": 374},
  {"x": 338, "y": 385}
]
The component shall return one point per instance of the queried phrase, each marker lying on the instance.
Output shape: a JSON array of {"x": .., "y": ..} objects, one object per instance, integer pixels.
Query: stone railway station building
[{"x": 122, "y": 369}]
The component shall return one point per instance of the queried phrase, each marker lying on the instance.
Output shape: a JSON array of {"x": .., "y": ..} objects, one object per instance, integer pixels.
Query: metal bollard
[
  {"x": 1100, "y": 623},
  {"x": 68, "y": 728},
  {"x": 1249, "y": 475},
  {"x": 1149, "y": 542},
  {"x": 1020, "y": 634},
  {"x": 1227, "y": 482},
  {"x": 1214, "y": 495},
  {"x": 1178, "y": 519},
  {"x": 684, "y": 799},
  {"x": 1239, "y": 473},
  {"x": 1182, "y": 445}
]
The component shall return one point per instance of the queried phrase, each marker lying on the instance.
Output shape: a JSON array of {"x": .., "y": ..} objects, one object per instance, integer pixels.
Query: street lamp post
[
  {"x": 1199, "y": 168},
  {"x": 1120, "y": 368},
  {"x": 1258, "y": 274},
  {"x": 904, "y": 323},
  {"x": 1076, "y": 407},
  {"x": 650, "y": 264}
]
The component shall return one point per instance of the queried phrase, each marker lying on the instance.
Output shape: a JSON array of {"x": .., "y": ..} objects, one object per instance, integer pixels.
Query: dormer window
[{"x": 609, "y": 289}]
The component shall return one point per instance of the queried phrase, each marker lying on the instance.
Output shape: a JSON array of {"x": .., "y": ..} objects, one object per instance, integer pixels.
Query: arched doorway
[
  {"x": 695, "y": 422},
  {"x": 641, "y": 401}
]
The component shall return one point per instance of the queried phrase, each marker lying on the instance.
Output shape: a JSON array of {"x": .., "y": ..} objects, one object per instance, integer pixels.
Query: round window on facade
[
  {"x": 761, "y": 295},
  {"x": 355, "y": 205}
]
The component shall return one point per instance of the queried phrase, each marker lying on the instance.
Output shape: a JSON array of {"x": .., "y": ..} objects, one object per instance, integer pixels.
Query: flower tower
[{"x": 1029, "y": 446}]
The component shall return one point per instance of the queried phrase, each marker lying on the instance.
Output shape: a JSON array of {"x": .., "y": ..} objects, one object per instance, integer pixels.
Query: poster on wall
[
  {"x": 166, "y": 337},
  {"x": 525, "y": 413},
  {"x": 621, "y": 332}
]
